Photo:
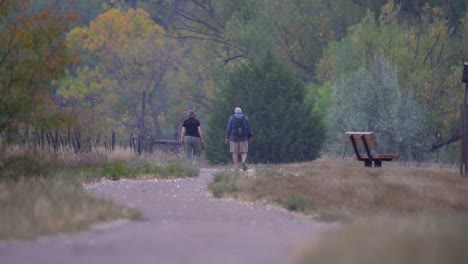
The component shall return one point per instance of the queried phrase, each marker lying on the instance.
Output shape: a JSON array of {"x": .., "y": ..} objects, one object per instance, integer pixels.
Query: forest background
[{"x": 304, "y": 71}]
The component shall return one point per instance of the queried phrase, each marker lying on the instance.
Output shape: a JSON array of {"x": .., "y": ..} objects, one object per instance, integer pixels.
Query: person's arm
[
  {"x": 201, "y": 134},
  {"x": 249, "y": 130},
  {"x": 228, "y": 131},
  {"x": 182, "y": 134}
]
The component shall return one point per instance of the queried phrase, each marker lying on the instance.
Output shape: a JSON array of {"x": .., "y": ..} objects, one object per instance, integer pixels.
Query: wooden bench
[{"x": 363, "y": 141}]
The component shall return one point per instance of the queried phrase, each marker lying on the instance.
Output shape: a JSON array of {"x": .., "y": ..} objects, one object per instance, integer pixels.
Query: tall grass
[{"x": 42, "y": 193}]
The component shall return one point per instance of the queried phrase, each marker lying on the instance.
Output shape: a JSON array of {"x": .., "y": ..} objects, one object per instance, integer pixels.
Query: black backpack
[{"x": 239, "y": 126}]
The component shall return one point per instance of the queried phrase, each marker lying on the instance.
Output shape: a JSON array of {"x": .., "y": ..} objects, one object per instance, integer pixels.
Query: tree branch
[{"x": 455, "y": 137}]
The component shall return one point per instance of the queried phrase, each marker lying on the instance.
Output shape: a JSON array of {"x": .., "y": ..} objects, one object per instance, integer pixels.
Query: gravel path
[{"x": 182, "y": 223}]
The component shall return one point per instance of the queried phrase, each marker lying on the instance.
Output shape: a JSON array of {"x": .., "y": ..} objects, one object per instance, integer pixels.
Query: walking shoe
[{"x": 244, "y": 167}]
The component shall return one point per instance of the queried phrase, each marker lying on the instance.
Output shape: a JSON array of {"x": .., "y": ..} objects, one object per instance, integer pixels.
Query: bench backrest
[{"x": 369, "y": 137}]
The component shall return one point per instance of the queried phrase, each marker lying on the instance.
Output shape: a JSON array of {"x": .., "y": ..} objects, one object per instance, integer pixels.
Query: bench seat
[
  {"x": 384, "y": 157},
  {"x": 365, "y": 140}
]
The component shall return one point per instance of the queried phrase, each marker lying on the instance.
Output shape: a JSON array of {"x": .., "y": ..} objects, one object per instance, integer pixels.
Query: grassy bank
[
  {"x": 344, "y": 189},
  {"x": 400, "y": 213},
  {"x": 43, "y": 195}
]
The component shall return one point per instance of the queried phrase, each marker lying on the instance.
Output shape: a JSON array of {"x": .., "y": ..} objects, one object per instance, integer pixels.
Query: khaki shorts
[{"x": 236, "y": 147}]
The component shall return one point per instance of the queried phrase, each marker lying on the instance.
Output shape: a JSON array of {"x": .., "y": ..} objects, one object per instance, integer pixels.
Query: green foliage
[
  {"x": 298, "y": 31},
  {"x": 304, "y": 28},
  {"x": 285, "y": 127},
  {"x": 119, "y": 169},
  {"x": 216, "y": 150},
  {"x": 370, "y": 100},
  {"x": 453, "y": 10},
  {"x": 86, "y": 10},
  {"x": 116, "y": 170},
  {"x": 223, "y": 182},
  {"x": 426, "y": 56},
  {"x": 295, "y": 203},
  {"x": 182, "y": 169}
]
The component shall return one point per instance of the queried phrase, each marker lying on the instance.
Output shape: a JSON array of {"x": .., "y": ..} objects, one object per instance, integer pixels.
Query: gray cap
[{"x": 238, "y": 110}]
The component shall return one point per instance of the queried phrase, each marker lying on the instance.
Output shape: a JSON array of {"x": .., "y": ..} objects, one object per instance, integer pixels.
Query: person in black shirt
[{"x": 191, "y": 136}]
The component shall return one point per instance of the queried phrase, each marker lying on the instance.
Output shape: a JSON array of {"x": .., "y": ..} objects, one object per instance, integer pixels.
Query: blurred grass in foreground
[
  {"x": 40, "y": 206},
  {"x": 44, "y": 195},
  {"x": 424, "y": 239}
]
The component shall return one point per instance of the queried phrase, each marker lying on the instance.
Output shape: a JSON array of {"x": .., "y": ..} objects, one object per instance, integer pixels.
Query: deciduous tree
[
  {"x": 33, "y": 53},
  {"x": 370, "y": 99},
  {"x": 128, "y": 58}
]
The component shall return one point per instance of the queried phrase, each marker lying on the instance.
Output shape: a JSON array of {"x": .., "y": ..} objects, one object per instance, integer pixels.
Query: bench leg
[
  {"x": 367, "y": 163},
  {"x": 377, "y": 163}
]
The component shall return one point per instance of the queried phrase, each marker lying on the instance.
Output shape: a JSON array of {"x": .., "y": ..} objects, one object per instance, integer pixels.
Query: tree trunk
[
  {"x": 154, "y": 115},
  {"x": 142, "y": 135}
]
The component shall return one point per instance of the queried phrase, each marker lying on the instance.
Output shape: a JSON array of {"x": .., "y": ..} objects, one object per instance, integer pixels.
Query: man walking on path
[{"x": 238, "y": 134}]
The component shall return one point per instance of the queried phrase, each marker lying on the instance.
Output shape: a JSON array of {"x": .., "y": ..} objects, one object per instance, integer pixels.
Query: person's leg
[
  {"x": 235, "y": 159},
  {"x": 187, "y": 148},
  {"x": 193, "y": 146},
  {"x": 234, "y": 148},
  {"x": 244, "y": 156},
  {"x": 244, "y": 148},
  {"x": 196, "y": 148}
]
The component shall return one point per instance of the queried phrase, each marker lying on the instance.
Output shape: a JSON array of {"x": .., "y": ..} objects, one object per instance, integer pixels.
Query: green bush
[
  {"x": 116, "y": 170},
  {"x": 182, "y": 169},
  {"x": 148, "y": 169},
  {"x": 295, "y": 203},
  {"x": 223, "y": 182},
  {"x": 177, "y": 169}
]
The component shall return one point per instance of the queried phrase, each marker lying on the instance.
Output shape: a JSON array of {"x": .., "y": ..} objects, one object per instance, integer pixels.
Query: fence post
[
  {"x": 57, "y": 139},
  {"x": 69, "y": 138},
  {"x": 113, "y": 141},
  {"x": 41, "y": 141}
]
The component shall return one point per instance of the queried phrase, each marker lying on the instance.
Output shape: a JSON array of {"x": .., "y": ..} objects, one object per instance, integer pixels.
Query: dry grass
[
  {"x": 346, "y": 189},
  {"x": 93, "y": 158},
  {"x": 400, "y": 213},
  {"x": 41, "y": 193},
  {"x": 41, "y": 206}
]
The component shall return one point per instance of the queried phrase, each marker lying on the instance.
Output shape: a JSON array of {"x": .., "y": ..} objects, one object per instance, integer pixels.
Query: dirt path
[{"x": 182, "y": 223}]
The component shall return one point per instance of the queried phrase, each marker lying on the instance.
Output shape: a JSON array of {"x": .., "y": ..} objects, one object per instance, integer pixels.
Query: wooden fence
[{"x": 73, "y": 140}]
